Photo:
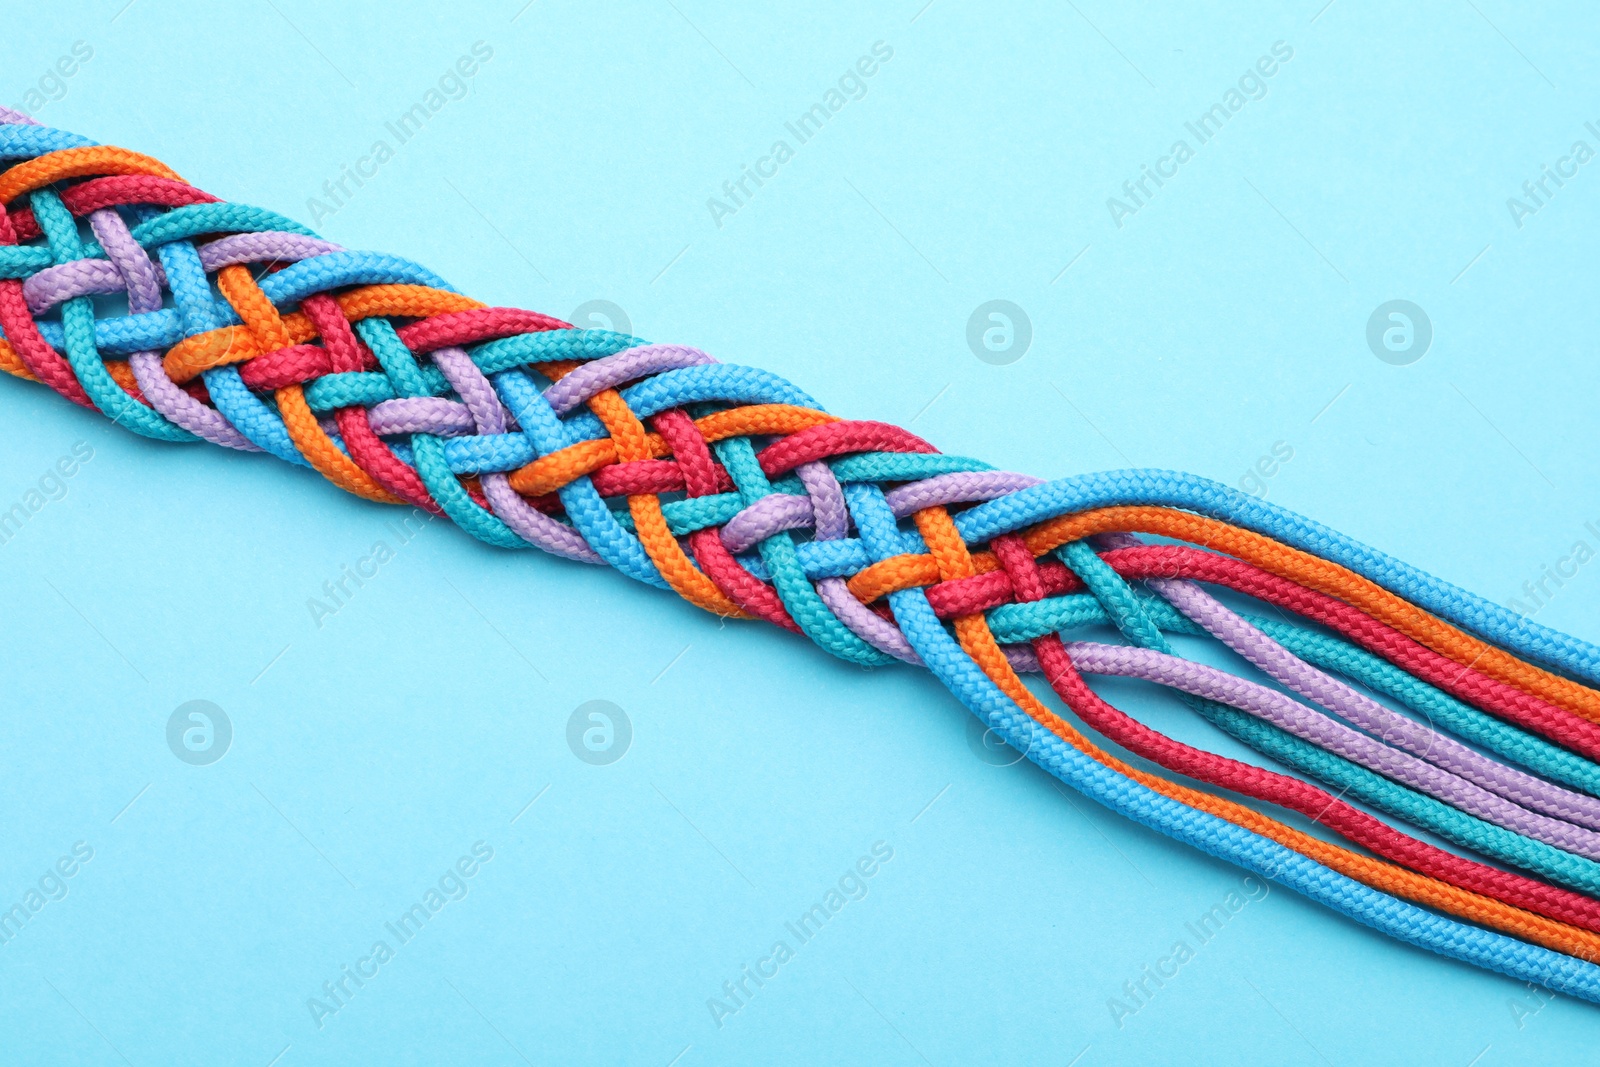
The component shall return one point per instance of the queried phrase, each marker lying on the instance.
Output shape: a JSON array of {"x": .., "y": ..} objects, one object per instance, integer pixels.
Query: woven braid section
[{"x": 731, "y": 487}]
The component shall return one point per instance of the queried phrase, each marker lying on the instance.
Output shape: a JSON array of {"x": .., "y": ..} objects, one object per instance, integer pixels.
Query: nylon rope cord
[{"x": 734, "y": 489}]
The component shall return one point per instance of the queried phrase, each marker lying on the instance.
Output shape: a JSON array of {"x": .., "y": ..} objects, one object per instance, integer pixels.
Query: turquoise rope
[{"x": 1127, "y": 612}]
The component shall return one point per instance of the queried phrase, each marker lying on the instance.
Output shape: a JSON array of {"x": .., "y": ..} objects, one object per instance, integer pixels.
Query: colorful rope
[{"x": 731, "y": 487}]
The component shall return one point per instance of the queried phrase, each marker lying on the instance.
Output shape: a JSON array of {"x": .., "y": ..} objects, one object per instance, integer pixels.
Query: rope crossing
[{"x": 734, "y": 489}]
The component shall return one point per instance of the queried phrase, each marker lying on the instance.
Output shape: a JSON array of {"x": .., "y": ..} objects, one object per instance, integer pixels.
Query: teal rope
[{"x": 1127, "y": 611}]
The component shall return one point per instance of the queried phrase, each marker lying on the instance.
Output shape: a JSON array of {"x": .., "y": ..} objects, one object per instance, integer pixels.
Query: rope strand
[{"x": 732, "y": 488}]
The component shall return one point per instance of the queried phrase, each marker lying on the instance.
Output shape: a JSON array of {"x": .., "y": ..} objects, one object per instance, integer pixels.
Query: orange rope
[{"x": 954, "y": 561}]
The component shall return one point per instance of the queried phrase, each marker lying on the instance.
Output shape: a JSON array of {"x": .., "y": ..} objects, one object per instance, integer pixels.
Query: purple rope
[
  {"x": 1293, "y": 673},
  {"x": 1022, "y": 658},
  {"x": 128, "y": 267},
  {"x": 81, "y": 277},
  {"x": 142, "y": 278},
  {"x": 97, "y": 277},
  {"x": 831, "y": 517},
  {"x": 611, "y": 371},
  {"x": 767, "y": 516},
  {"x": 865, "y": 623},
  {"x": 955, "y": 489},
  {"x": 1288, "y": 714},
  {"x": 829, "y": 511},
  {"x": 773, "y": 514},
  {"x": 527, "y": 521},
  {"x": 421, "y": 414},
  {"x": 266, "y": 247}
]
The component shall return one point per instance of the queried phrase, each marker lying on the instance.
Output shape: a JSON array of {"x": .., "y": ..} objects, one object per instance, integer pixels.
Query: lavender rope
[
  {"x": 963, "y": 488},
  {"x": 1290, "y": 715},
  {"x": 1407, "y": 734},
  {"x": 592, "y": 378},
  {"x": 527, "y": 521}
]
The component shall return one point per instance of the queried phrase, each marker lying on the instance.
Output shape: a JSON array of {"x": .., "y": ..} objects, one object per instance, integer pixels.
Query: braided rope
[{"x": 734, "y": 489}]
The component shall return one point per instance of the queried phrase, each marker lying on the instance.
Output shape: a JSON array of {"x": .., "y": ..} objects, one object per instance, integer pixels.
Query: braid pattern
[{"x": 734, "y": 489}]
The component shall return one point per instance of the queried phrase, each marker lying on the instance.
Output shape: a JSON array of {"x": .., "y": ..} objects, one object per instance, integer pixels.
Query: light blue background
[{"x": 1227, "y": 315}]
